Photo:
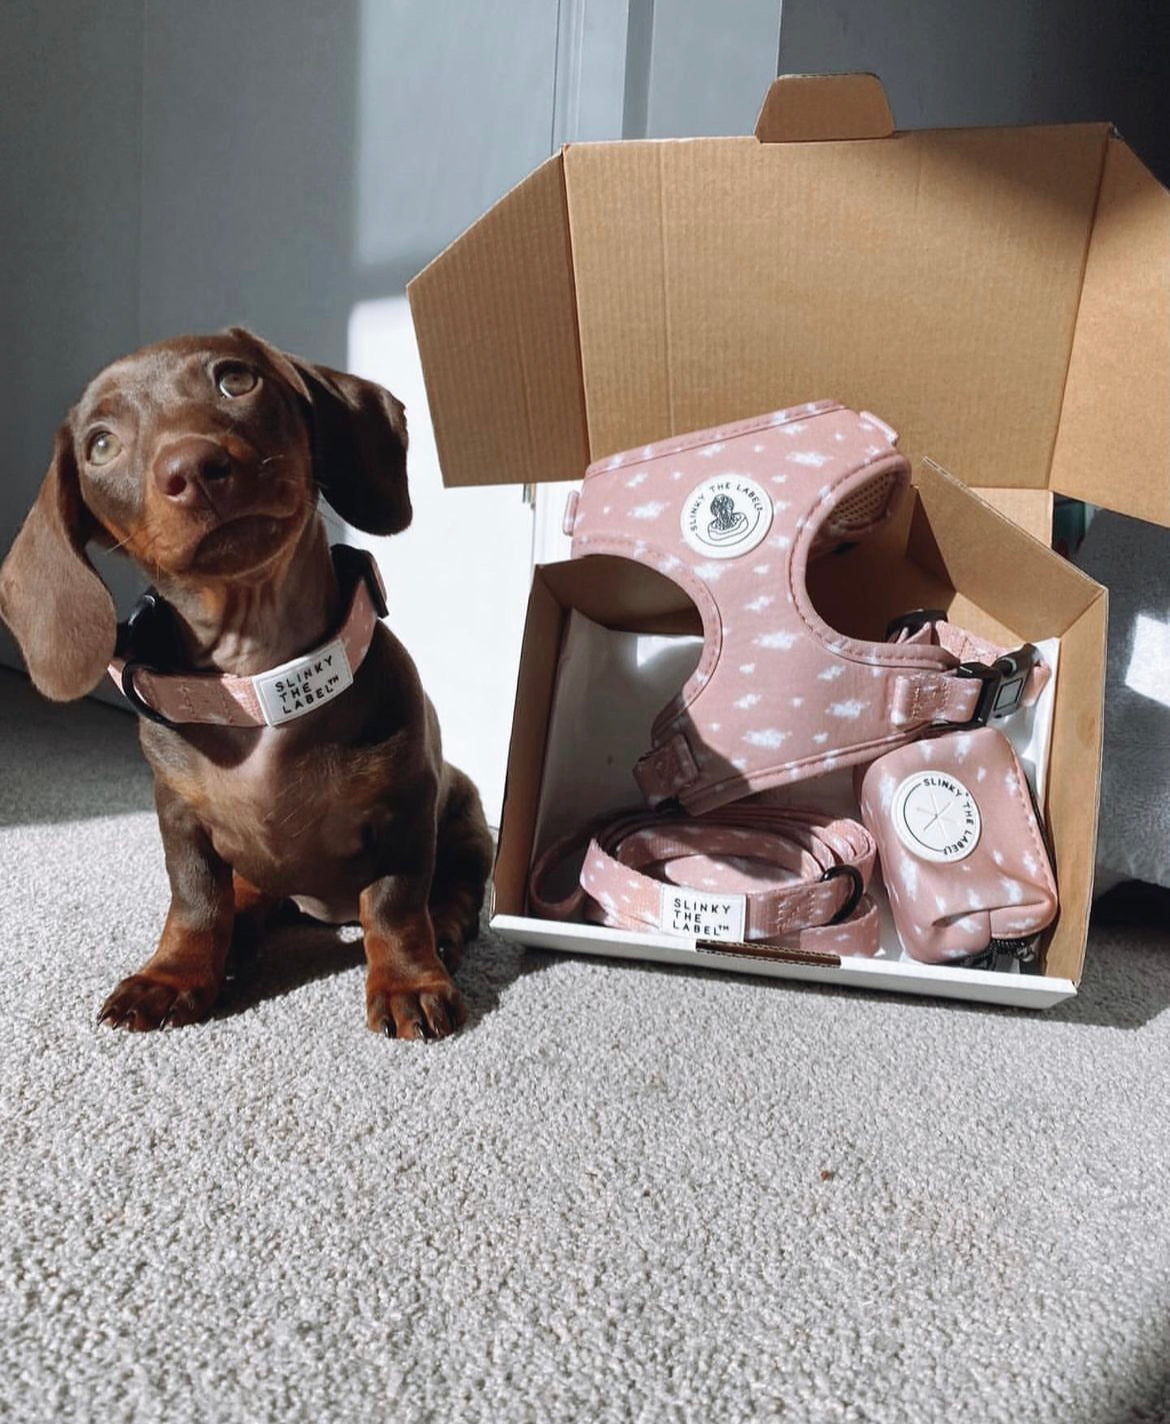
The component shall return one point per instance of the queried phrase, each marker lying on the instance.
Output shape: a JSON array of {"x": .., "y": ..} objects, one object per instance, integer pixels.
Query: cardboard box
[{"x": 1000, "y": 296}]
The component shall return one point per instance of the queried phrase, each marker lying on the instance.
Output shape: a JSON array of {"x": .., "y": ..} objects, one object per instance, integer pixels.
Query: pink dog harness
[{"x": 734, "y": 515}]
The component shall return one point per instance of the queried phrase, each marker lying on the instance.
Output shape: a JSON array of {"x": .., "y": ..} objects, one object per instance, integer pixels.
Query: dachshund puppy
[{"x": 202, "y": 459}]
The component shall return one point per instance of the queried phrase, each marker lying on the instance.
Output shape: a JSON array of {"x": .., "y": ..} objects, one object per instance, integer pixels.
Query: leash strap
[{"x": 644, "y": 870}]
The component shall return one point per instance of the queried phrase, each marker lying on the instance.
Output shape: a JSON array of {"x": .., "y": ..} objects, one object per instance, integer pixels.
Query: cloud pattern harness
[{"x": 735, "y": 515}]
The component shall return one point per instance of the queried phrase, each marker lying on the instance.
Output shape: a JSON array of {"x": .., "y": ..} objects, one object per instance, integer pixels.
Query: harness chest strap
[
  {"x": 817, "y": 907},
  {"x": 270, "y": 698},
  {"x": 918, "y": 700}
]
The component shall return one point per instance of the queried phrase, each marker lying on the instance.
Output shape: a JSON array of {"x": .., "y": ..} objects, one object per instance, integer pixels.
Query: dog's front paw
[
  {"x": 429, "y": 1008},
  {"x": 144, "y": 1001}
]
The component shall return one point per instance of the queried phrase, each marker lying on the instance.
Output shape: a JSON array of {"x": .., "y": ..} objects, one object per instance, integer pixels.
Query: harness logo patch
[
  {"x": 936, "y": 817},
  {"x": 726, "y": 516}
]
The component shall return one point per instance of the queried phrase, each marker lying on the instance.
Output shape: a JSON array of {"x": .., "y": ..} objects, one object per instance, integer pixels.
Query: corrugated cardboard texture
[
  {"x": 497, "y": 332},
  {"x": 1074, "y": 782},
  {"x": 804, "y": 108},
  {"x": 1113, "y": 447},
  {"x": 931, "y": 277},
  {"x": 1016, "y": 579},
  {"x": 534, "y": 694},
  {"x": 1030, "y": 509}
]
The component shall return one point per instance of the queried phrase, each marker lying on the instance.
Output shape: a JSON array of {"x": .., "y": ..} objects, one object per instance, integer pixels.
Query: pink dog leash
[{"x": 766, "y": 876}]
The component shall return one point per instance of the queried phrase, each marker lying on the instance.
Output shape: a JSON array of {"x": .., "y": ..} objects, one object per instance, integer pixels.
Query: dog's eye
[
  {"x": 235, "y": 380},
  {"x": 102, "y": 447}
]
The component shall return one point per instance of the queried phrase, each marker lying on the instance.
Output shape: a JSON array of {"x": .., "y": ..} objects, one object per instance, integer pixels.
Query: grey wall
[
  {"x": 69, "y": 160},
  {"x": 172, "y": 167},
  {"x": 952, "y": 62},
  {"x": 708, "y": 65}
]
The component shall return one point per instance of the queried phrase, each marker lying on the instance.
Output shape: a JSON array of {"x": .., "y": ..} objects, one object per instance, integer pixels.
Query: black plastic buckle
[
  {"x": 912, "y": 621},
  {"x": 855, "y": 893},
  {"x": 1004, "y": 684},
  {"x": 354, "y": 565},
  {"x": 140, "y": 632}
]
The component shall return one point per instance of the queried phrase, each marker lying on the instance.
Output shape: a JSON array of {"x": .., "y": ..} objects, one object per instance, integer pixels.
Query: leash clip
[{"x": 1004, "y": 684}]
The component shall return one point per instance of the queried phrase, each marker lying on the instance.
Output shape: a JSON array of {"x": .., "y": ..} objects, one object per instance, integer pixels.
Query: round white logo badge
[
  {"x": 726, "y": 516},
  {"x": 936, "y": 817}
]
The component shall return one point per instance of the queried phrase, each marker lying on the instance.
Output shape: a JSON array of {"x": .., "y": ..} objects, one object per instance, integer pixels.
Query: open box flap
[
  {"x": 633, "y": 290},
  {"x": 496, "y": 320},
  {"x": 1113, "y": 443}
]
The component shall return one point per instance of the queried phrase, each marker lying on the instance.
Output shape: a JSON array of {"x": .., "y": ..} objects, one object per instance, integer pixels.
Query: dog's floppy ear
[
  {"x": 56, "y": 605},
  {"x": 358, "y": 440}
]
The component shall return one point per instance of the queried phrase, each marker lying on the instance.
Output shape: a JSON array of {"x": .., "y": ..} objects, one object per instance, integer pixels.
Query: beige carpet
[{"x": 622, "y": 1193}]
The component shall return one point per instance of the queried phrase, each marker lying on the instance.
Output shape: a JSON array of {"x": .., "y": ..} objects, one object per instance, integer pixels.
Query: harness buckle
[
  {"x": 1004, "y": 684},
  {"x": 912, "y": 621}
]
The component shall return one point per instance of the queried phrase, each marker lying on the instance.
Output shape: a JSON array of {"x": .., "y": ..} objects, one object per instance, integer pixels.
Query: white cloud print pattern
[{"x": 762, "y": 653}]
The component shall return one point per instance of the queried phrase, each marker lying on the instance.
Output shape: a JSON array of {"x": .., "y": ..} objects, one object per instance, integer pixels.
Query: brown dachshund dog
[{"x": 202, "y": 459}]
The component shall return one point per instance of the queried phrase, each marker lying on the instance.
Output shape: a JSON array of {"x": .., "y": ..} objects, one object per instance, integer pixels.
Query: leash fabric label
[
  {"x": 302, "y": 684},
  {"x": 726, "y": 516},
  {"x": 936, "y": 817},
  {"x": 704, "y": 915}
]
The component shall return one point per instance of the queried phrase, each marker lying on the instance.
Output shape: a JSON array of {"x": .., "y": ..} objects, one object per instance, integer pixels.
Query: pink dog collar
[
  {"x": 283, "y": 693},
  {"x": 767, "y": 876}
]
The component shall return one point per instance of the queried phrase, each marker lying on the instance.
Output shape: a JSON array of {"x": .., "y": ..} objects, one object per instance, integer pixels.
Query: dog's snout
[{"x": 190, "y": 465}]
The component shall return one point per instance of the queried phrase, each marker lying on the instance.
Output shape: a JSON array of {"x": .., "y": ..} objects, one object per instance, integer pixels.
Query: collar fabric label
[
  {"x": 299, "y": 686},
  {"x": 705, "y": 915}
]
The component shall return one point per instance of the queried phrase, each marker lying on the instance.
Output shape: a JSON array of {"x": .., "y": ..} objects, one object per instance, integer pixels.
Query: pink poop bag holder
[
  {"x": 963, "y": 857},
  {"x": 734, "y": 515}
]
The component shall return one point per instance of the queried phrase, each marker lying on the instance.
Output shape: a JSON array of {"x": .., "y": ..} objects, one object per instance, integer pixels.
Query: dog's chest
[{"x": 278, "y": 807}]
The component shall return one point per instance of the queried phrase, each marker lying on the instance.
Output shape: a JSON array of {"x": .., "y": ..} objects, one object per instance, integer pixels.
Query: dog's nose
[{"x": 189, "y": 466}]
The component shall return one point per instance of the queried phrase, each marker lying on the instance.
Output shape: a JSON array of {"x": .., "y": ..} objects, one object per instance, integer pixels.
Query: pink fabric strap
[
  {"x": 270, "y": 698},
  {"x": 681, "y": 875},
  {"x": 921, "y": 700}
]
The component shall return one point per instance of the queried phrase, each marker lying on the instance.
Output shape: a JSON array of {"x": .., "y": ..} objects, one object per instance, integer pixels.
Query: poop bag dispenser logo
[{"x": 726, "y": 516}]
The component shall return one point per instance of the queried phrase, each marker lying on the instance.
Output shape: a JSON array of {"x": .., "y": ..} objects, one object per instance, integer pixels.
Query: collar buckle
[{"x": 356, "y": 566}]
